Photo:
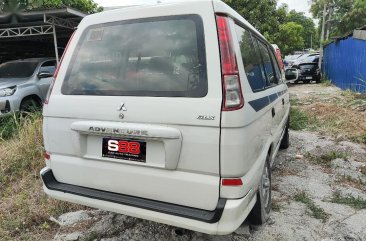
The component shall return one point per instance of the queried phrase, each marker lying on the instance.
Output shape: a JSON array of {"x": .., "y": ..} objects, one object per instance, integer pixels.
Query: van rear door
[{"x": 136, "y": 105}]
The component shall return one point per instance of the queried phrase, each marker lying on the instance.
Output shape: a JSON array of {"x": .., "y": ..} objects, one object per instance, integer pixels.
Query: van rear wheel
[{"x": 262, "y": 208}]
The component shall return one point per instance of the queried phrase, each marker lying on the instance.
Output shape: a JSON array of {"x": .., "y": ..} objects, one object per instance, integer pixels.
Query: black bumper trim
[{"x": 157, "y": 206}]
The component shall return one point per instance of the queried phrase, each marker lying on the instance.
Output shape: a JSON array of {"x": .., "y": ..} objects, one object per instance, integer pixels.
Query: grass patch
[
  {"x": 299, "y": 120},
  {"x": 10, "y": 125},
  {"x": 348, "y": 200},
  {"x": 294, "y": 101},
  {"x": 325, "y": 81},
  {"x": 350, "y": 181},
  {"x": 326, "y": 159},
  {"x": 24, "y": 207},
  {"x": 360, "y": 139},
  {"x": 316, "y": 211}
]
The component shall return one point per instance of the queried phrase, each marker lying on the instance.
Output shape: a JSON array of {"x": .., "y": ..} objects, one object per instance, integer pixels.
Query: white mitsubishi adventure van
[{"x": 172, "y": 112}]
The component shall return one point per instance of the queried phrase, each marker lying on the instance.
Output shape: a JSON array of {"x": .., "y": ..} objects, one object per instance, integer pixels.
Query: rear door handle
[
  {"x": 273, "y": 112},
  {"x": 283, "y": 101}
]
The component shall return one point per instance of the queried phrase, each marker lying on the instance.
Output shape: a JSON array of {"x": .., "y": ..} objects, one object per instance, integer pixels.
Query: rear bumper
[{"x": 226, "y": 218}]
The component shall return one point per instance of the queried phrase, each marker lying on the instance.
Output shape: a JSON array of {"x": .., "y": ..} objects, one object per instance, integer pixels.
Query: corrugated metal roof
[{"x": 29, "y": 18}]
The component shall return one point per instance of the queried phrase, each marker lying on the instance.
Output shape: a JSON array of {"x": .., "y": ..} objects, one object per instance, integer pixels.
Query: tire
[
  {"x": 285, "y": 142},
  {"x": 29, "y": 105},
  {"x": 262, "y": 208}
]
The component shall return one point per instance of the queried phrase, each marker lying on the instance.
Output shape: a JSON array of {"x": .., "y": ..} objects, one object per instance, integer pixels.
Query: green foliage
[
  {"x": 9, "y": 126},
  {"x": 299, "y": 120},
  {"x": 289, "y": 30},
  {"x": 326, "y": 159},
  {"x": 310, "y": 32},
  {"x": 349, "y": 200},
  {"x": 354, "y": 18},
  {"x": 87, "y": 6},
  {"x": 325, "y": 81},
  {"x": 316, "y": 211},
  {"x": 344, "y": 15},
  {"x": 263, "y": 15},
  {"x": 289, "y": 37}
]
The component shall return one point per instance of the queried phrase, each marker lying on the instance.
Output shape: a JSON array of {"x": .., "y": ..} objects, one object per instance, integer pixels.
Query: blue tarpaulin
[{"x": 345, "y": 64}]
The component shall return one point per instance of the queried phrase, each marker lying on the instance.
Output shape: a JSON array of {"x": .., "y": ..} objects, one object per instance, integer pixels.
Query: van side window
[
  {"x": 251, "y": 60},
  {"x": 275, "y": 64},
  {"x": 267, "y": 63}
]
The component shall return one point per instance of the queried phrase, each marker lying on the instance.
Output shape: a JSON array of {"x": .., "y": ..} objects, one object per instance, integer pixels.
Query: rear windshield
[
  {"x": 148, "y": 57},
  {"x": 17, "y": 69}
]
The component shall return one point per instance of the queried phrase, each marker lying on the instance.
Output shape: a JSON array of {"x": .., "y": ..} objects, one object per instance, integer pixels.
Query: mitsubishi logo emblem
[{"x": 122, "y": 107}]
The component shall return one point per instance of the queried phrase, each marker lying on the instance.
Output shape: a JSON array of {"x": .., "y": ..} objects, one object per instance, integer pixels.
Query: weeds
[
  {"x": 24, "y": 208},
  {"x": 316, "y": 211},
  {"x": 9, "y": 126},
  {"x": 326, "y": 159},
  {"x": 360, "y": 139},
  {"x": 325, "y": 81},
  {"x": 299, "y": 119},
  {"x": 350, "y": 181},
  {"x": 348, "y": 200}
]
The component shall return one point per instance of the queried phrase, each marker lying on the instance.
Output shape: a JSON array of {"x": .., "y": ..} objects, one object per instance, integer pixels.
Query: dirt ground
[{"x": 319, "y": 187}]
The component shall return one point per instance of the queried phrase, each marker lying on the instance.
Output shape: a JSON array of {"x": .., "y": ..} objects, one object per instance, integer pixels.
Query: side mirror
[
  {"x": 292, "y": 74},
  {"x": 44, "y": 74}
]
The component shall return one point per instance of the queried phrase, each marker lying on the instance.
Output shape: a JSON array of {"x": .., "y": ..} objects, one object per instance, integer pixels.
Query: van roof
[{"x": 219, "y": 6}]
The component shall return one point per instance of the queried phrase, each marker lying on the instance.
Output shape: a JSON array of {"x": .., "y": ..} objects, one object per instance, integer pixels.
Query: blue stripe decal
[
  {"x": 260, "y": 103},
  {"x": 273, "y": 97}
]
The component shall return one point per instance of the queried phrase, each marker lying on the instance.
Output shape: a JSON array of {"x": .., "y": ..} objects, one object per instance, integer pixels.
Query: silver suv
[{"x": 24, "y": 84}]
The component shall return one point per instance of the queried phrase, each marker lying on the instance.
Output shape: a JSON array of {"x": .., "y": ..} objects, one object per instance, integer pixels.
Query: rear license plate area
[{"x": 124, "y": 149}]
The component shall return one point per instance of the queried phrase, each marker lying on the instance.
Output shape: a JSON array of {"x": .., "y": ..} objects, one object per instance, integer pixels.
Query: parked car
[
  {"x": 290, "y": 59},
  {"x": 305, "y": 58},
  {"x": 24, "y": 84},
  {"x": 170, "y": 112},
  {"x": 278, "y": 55},
  {"x": 308, "y": 70}
]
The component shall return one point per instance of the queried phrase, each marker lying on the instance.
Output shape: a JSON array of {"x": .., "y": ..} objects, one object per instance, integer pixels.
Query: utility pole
[{"x": 322, "y": 35}]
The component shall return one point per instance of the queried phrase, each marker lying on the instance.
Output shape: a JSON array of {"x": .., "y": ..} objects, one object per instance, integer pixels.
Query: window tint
[
  {"x": 147, "y": 57},
  {"x": 49, "y": 66},
  {"x": 17, "y": 69},
  {"x": 251, "y": 60},
  {"x": 267, "y": 63}
]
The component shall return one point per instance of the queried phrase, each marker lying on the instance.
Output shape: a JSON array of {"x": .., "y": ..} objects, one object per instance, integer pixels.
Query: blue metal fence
[{"x": 345, "y": 64}]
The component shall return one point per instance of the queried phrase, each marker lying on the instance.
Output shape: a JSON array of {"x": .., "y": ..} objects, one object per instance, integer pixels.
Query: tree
[
  {"x": 289, "y": 37},
  {"x": 87, "y": 6},
  {"x": 342, "y": 16},
  {"x": 354, "y": 18},
  {"x": 310, "y": 33},
  {"x": 262, "y": 14}
]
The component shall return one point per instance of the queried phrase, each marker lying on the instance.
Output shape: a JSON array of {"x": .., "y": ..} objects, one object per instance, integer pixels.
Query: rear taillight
[
  {"x": 47, "y": 156},
  {"x": 232, "y": 182},
  {"x": 57, "y": 69},
  {"x": 232, "y": 93}
]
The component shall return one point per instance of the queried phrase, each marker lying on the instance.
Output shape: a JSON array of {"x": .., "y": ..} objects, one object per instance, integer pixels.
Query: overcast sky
[{"x": 298, "y": 5}]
